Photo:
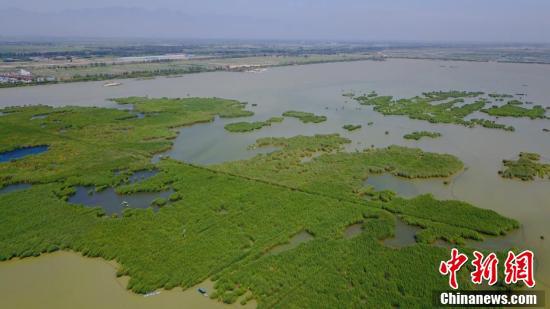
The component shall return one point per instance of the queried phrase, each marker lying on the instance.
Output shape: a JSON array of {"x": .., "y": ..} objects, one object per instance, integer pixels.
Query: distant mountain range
[
  {"x": 317, "y": 20},
  {"x": 127, "y": 22}
]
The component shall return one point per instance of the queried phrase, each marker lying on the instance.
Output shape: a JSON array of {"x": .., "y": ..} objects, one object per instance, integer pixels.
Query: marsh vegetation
[
  {"x": 352, "y": 127},
  {"x": 417, "y": 135},
  {"x": 305, "y": 117},
  {"x": 527, "y": 167},
  {"x": 244, "y": 126},
  {"x": 514, "y": 109},
  {"x": 438, "y": 107},
  {"x": 221, "y": 220}
]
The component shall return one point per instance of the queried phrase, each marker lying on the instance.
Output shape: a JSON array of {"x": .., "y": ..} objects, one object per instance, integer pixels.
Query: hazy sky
[{"x": 412, "y": 20}]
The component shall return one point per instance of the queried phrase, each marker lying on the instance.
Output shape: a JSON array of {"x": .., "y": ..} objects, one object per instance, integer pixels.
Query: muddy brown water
[{"x": 69, "y": 280}]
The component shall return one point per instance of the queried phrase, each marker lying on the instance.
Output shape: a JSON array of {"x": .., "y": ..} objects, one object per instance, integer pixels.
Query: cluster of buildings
[{"x": 22, "y": 76}]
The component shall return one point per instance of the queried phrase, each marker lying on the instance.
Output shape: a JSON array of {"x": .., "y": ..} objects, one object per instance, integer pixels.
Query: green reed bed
[
  {"x": 435, "y": 107},
  {"x": 513, "y": 109},
  {"x": 305, "y": 117},
  {"x": 221, "y": 220},
  {"x": 352, "y": 127},
  {"x": 527, "y": 167},
  {"x": 244, "y": 126},
  {"x": 417, "y": 135}
]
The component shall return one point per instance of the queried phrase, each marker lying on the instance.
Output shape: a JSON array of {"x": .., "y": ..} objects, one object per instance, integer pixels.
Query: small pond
[
  {"x": 295, "y": 241},
  {"x": 409, "y": 188},
  {"x": 404, "y": 235},
  {"x": 14, "y": 187},
  {"x": 112, "y": 202},
  {"x": 142, "y": 175},
  {"x": 18, "y": 153},
  {"x": 353, "y": 230},
  {"x": 139, "y": 116},
  {"x": 41, "y": 116}
]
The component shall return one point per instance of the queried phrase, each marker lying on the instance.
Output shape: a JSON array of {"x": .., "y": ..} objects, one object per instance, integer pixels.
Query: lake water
[
  {"x": 319, "y": 88},
  {"x": 21, "y": 152},
  {"x": 69, "y": 280}
]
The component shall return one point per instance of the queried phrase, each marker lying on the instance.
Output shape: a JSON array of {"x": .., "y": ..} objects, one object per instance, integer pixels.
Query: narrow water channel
[{"x": 22, "y": 152}]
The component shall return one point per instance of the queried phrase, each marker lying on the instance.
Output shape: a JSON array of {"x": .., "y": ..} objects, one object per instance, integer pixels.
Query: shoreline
[
  {"x": 246, "y": 68},
  {"x": 98, "y": 285}
]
